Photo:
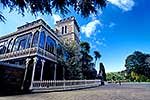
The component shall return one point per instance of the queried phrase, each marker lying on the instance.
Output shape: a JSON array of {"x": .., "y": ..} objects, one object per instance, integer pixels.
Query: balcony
[{"x": 27, "y": 52}]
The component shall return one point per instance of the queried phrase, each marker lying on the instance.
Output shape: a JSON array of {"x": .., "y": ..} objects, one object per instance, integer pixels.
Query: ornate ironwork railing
[
  {"x": 17, "y": 54},
  {"x": 27, "y": 52},
  {"x": 63, "y": 84}
]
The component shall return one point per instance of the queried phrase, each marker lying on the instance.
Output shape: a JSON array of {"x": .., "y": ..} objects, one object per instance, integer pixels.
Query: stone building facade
[{"x": 35, "y": 48}]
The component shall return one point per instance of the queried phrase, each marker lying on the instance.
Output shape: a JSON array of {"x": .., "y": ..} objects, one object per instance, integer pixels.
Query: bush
[{"x": 148, "y": 80}]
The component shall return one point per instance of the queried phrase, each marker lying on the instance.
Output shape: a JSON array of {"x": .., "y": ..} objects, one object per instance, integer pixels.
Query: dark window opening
[
  {"x": 62, "y": 30},
  {"x": 65, "y": 29}
]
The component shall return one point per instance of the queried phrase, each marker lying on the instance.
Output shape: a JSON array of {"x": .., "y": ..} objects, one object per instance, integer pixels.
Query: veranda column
[
  {"x": 25, "y": 73},
  {"x": 43, "y": 62},
  {"x": 33, "y": 71},
  {"x": 55, "y": 72}
]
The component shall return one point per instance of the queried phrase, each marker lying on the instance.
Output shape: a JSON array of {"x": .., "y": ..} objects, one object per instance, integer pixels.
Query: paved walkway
[{"x": 108, "y": 92}]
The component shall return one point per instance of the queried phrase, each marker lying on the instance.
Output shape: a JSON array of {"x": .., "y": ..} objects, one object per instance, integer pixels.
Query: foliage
[
  {"x": 2, "y": 18},
  {"x": 83, "y": 7},
  {"x": 73, "y": 70},
  {"x": 139, "y": 78},
  {"x": 69, "y": 64},
  {"x": 86, "y": 64},
  {"x": 97, "y": 56},
  {"x": 137, "y": 67},
  {"x": 76, "y": 67},
  {"x": 102, "y": 71},
  {"x": 134, "y": 76},
  {"x": 115, "y": 76}
]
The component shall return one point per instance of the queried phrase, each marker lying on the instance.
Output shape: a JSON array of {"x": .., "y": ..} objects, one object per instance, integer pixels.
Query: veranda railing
[{"x": 64, "y": 84}]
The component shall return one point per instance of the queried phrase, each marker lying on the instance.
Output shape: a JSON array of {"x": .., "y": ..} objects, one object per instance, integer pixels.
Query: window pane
[
  {"x": 3, "y": 47},
  {"x": 9, "y": 49},
  {"x": 50, "y": 45},
  {"x": 16, "y": 44},
  {"x": 35, "y": 39},
  {"x": 22, "y": 44},
  {"x": 42, "y": 39},
  {"x": 29, "y": 40}
]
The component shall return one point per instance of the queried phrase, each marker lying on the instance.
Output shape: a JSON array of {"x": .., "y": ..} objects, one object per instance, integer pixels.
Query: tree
[
  {"x": 97, "y": 56},
  {"x": 73, "y": 71},
  {"x": 115, "y": 76},
  {"x": 102, "y": 71},
  {"x": 85, "y": 49},
  {"x": 136, "y": 63},
  {"x": 87, "y": 66},
  {"x": 75, "y": 67},
  {"x": 83, "y": 7},
  {"x": 68, "y": 63}
]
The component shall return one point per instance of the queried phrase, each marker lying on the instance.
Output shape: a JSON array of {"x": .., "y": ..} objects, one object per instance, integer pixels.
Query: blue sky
[{"x": 117, "y": 31}]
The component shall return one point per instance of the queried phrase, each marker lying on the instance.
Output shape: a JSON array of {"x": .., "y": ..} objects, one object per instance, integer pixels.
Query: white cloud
[
  {"x": 99, "y": 42},
  {"x": 125, "y": 5},
  {"x": 90, "y": 27},
  {"x": 93, "y": 46},
  {"x": 99, "y": 31},
  {"x": 56, "y": 18},
  {"x": 111, "y": 24}
]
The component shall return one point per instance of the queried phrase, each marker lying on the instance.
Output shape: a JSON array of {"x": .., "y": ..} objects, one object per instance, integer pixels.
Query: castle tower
[{"x": 68, "y": 30}]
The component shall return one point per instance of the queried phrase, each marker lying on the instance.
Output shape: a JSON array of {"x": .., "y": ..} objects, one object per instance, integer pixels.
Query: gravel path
[{"x": 108, "y": 92}]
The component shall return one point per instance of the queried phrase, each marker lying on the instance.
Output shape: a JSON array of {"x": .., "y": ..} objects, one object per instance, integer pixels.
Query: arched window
[
  {"x": 42, "y": 40},
  {"x": 21, "y": 42},
  {"x": 9, "y": 48},
  {"x": 50, "y": 44},
  {"x": 29, "y": 41},
  {"x": 35, "y": 39},
  {"x": 16, "y": 44},
  {"x": 3, "y": 47}
]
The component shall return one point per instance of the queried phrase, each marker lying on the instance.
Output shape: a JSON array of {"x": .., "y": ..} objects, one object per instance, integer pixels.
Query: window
[
  {"x": 21, "y": 42},
  {"x": 62, "y": 30},
  {"x": 2, "y": 49},
  {"x": 65, "y": 55},
  {"x": 3, "y": 46},
  {"x": 50, "y": 44},
  {"x": 35, "y": 39},
  {"x": 9, "y": 49},
  {"x": 59, "y": 50},
  {"x": 65, "y": 29},
  {"x": 16, "y": 44},
  {"x": 42, "y": 39},
  {"x": 29, "y": 41}
]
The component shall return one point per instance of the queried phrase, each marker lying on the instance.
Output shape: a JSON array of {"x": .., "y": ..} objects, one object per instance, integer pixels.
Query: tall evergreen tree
[
  {"x": 97, "y": 56},
  {"x": 102, "y": 72},
  {"x": 86, "y": 61}
]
